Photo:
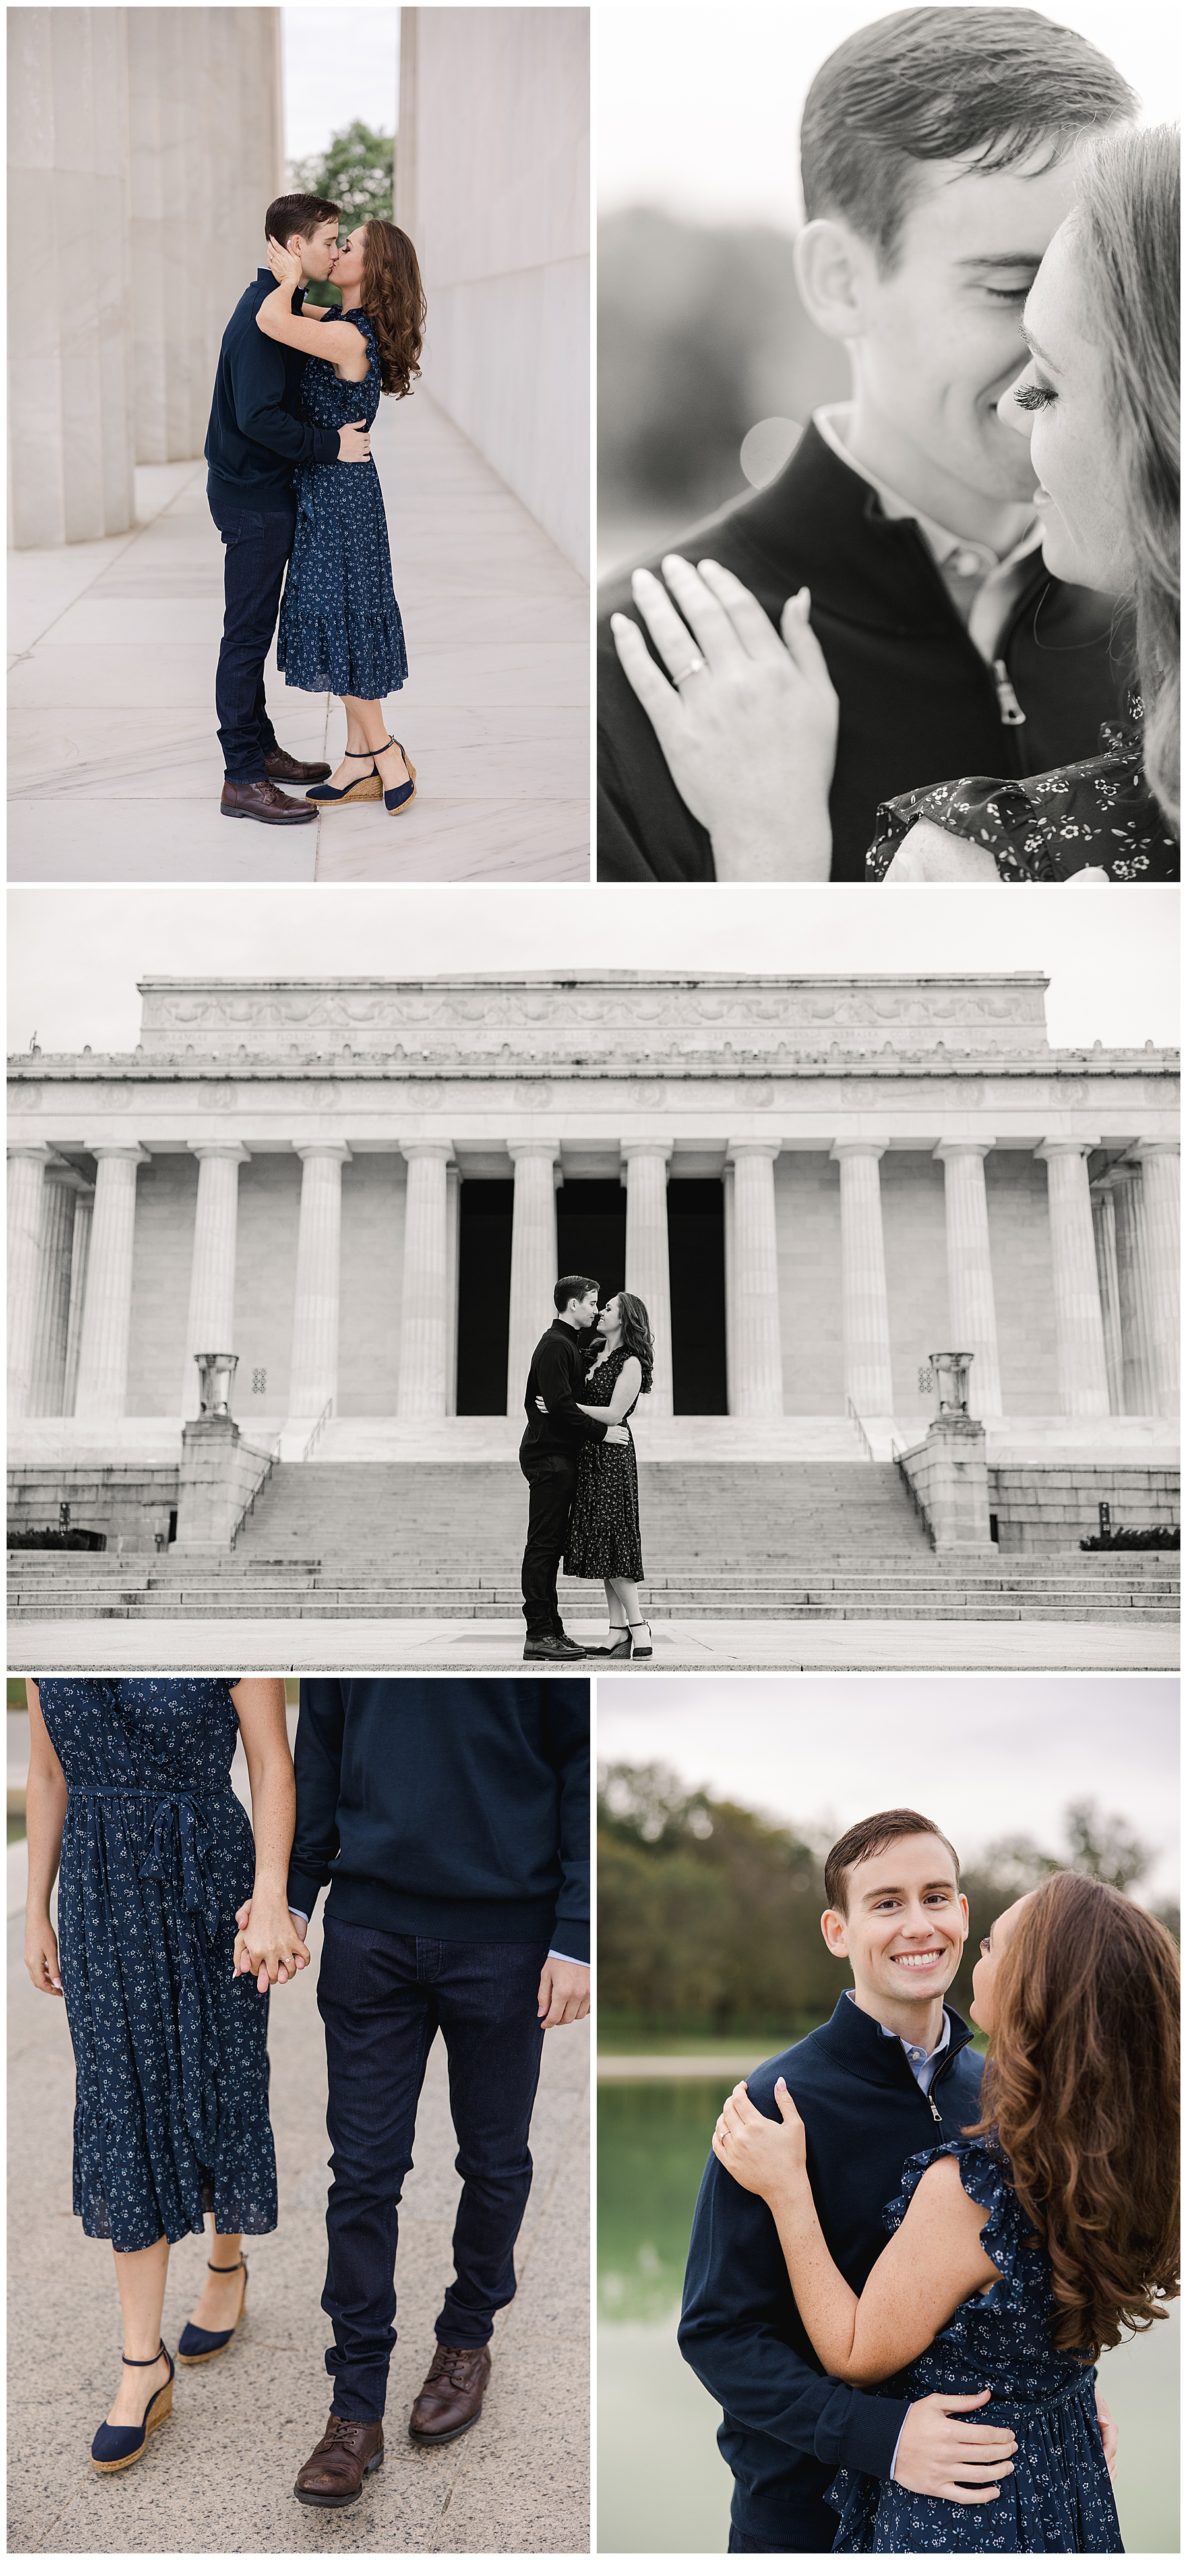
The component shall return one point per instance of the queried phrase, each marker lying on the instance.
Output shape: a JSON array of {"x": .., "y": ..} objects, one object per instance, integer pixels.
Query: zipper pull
[
  {"x": 932, "y": 2104},
  {"x": 1009, "y": 707}
]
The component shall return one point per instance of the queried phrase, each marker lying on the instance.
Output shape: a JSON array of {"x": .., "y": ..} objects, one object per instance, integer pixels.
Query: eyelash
[{"x": 1034, "y": 395}]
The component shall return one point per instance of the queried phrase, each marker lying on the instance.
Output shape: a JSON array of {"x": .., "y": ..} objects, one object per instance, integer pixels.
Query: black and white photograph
[
  {"x": 888, "y": 458},
  {"x": 538, "y": 1284}
]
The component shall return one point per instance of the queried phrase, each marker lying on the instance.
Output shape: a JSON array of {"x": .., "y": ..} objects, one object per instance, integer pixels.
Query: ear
[
  {"x": 835, "y": 1933},
  {"x": 835, "y": 270},
  {"x": 964, "y": 1906}
]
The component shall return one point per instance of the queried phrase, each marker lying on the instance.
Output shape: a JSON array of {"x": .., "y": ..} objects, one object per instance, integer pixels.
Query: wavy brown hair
[
  {"x": 1127, "y": 246},
  {"x": 1081, "y": 2093},
  {"x": 393, "y": 298}
]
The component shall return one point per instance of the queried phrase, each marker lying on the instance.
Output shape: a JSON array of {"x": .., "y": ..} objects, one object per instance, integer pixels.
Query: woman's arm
[
  {"x": 271, "y": 1944},
  {"x": 337, "y": 342},
  {"x": 625, "y": 1389},
  {"x": 45, "y": 1814},
  {"x": 932, "y": 2264}
]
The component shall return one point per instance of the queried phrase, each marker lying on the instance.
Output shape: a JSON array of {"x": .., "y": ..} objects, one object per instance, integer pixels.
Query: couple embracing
[
  {"x": 586, "y": 1376},
  {"x": 904, "y": 2266},
  {"x": 450, "y": 1820}
]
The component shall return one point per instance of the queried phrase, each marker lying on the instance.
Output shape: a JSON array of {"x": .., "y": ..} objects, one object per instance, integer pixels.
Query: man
[
  {"x": 451, "y": 1821},
  {"x": 891, "y": 2074},
  {"x": 548, "y": 1454},
  {"x": 938, "y": 160},
  {"x": 253, "y": 442}
]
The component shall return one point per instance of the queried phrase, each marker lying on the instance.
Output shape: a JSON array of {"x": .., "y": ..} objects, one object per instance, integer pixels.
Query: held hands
[
  {"x": 41, "y": 1957},
  {"x": 270, "y": 1942},
  {"x": 748, "y": 724},
  {"x": 285, "y": 265},
  {"x": 563, "y": 1996},
  {"x": 763, "y": 2156}
]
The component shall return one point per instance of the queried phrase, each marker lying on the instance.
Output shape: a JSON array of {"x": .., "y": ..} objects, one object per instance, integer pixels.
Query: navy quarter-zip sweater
[
  {"x": 786, "y": 2425},
  {"x": 256, "y": 433},
  {"x": 446, "y": 1808}
]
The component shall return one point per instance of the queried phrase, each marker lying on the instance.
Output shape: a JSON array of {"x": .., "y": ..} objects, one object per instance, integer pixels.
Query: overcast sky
[
  {"x": 73, "y": 962},
  {"x": 698, "y": 109},
  {"x": 338, "y": 64},
  {"x": 982, "y": 1756}
]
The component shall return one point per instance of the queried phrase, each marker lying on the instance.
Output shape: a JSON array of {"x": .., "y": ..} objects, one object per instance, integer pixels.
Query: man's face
[
  {"x": 584, "y": 1311},
  {"x": 941, "y": 333},
  {"x": 318, "y": 254},
  {"x": 1061, "y": 407},
  {"x": 905, "y": 1925}
]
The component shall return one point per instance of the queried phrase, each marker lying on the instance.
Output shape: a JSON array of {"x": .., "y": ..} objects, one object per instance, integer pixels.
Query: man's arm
[
  {"x": 257, "y": 379},
  {"x": 566, "y": 1717},
  {"x": 318, "y": 1759},
  {"x": 554, "y": 1370}
]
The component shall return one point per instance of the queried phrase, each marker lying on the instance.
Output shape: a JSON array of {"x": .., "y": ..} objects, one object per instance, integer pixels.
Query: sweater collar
[{"x": 856, "y": 2042}]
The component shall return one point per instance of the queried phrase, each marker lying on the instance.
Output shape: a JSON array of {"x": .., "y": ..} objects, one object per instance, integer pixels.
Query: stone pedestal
[
  {"x": 26, "y": 1226},
  {"x": 1160, "y": 1230},
  {"x": 534, "y": 1270},
  {"x": 972, "y": 1315},
  {"x": 645, "y": 1164},
  {"x": 1083, "y": 1375},
  {"x": 951, "y": 1478},
  {"x": 219, "y": 1473},
  {"x": 313, "y": 1372},
  {"x": 756, "y": 1355},
  {"x": 102, "y": 1389},
  {"x": 211, "y": 1313},
  {"x": 864, "y": 1308},
  {"x": 424, "y": 1331}
]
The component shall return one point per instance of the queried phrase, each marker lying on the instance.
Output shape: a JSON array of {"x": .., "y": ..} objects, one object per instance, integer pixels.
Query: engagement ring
[{"x": 692, "y": 669}]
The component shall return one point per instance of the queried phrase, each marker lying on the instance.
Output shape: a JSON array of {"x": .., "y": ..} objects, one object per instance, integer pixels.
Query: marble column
[
  {"x": 63, "y": 1187},
  {"x": 453, "y": 1279},
  {"x": 1159, "y": 1219},
  {"x": 210, "y": 1321},
  {"x": 756, "y": 1386},
  {"x": 102, "y": 1391},
  {"x": 26, "y": 1227},
  {"x": 313, "y": 1367},
  {"x": 972, "y": 1314},
  {"x": 1105, "y": 1227},
  {"x": 424, "y": 1326},
  {"x": 80, "y": 1254},
  {"x": 1123, "y": 1182},
  {"x": 534, "y": 1268},
  {"x": 69, "y": 373},
  {"x": 1083, "y": 1374},
  {"x": 646, "y": 1163},
  {"x": 731, "y": 1357},
  {"x": 865, "y": 1313}
]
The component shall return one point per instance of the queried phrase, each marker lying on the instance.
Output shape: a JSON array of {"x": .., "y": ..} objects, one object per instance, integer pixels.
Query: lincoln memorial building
[{"x": 363, "y": 1190}]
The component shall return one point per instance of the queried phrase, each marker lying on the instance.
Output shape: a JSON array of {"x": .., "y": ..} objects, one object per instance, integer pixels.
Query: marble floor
[{"x": 114, "y": 767}]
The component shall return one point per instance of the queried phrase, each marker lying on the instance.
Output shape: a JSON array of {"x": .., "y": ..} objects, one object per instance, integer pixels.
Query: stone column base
[
  {"x": 951, "y": 1480},
  {"x": 219, "y": 1473}
]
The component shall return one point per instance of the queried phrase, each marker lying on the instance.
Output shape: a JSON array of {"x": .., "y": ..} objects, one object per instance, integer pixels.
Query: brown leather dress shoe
[
  {"x": 450, "y": 2397},
  {"x": 280, "y": 766},
  {"x": 338, "y": 2466},
  {"x": 262, "y": 800}
]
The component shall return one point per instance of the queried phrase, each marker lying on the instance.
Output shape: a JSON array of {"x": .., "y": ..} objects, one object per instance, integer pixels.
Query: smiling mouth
[{"x": 924, "y": 1963}]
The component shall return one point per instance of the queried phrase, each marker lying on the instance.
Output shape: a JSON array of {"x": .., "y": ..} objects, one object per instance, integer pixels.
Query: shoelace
[{"x": 449, "y": 2363}]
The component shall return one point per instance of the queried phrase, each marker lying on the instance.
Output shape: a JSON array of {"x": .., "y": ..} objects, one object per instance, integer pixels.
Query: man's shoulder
[
  {"x": 714, "y": 536},
  {"x": 769, "y": 523}
]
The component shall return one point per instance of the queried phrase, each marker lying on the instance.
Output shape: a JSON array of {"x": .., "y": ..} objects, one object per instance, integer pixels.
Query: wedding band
[{"x": 692, "y": 669}]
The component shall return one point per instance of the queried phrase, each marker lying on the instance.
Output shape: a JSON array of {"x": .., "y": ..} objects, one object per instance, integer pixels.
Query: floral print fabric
[
  {"x": 1059, "y": 2496},
  {"x": 170, "y": 2050},
  {"x": 1097, "y": 814},
  {"x": 340, "y": 629},
  {"x": 603, "y": 1535}
]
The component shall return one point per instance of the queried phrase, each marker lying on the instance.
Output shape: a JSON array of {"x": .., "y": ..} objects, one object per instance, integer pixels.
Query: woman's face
[
  {"x": 611, "y": 1316},
  {"x": 349, "y": 269},
  {"x": 993, "y": 1948},
  {"x": 1061, "y": 402}
]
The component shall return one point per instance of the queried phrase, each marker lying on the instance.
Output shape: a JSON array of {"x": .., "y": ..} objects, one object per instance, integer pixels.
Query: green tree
[{"x": 355, "y": 171}]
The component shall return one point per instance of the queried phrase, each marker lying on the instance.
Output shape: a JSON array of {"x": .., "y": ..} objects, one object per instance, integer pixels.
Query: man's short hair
[
  {"x": 574, "y": 1287},
  {"x": 302, "y": 214},
  {"x": 992, "y": 85},
  {"x": 866, "y": 1839}
]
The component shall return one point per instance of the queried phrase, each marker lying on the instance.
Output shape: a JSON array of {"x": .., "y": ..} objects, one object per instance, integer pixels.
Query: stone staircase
[{"x": 809, "y": 1540}]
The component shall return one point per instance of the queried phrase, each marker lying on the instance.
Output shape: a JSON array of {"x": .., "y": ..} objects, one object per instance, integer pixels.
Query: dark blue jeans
[
  {"x": 382, "y": 2000},
  {"x": 256, "y": 546}
]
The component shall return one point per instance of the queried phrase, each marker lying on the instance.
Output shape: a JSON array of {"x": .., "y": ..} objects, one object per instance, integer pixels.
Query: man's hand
[
  {"x": 280, "y": 1956},
  {"x": 617, "y": 1434},
  {"x": 354, "y": 443},
  {"x": 941, "y": 2456},
  {"x": 1108, "y": 2432},
  {"x": 563, "y": 1996}
]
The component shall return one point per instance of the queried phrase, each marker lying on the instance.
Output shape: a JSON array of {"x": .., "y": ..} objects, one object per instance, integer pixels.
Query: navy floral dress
[
  {"x": 1095, "y": 815},
  {"x": 340, "y": 629},
  {"x": 170, "y": 2050},
  {"x": 1059, "y": 2496},
  {"x": 603, "y": 1535}
]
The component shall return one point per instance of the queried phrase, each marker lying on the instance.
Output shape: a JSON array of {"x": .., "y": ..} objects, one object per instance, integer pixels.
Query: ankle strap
[
  {"x": 145, "y": 2360},
  {"x": 359, "y": 752},
  {"x": 232, "y": 2270}
]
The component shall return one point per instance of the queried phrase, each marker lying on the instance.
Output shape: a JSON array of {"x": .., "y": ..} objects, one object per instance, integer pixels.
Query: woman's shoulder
[{"x": 1097, "y": 813}]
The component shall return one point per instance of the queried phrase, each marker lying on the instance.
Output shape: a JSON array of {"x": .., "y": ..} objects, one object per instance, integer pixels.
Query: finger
[
  {"x": 243, "y": 1915},
  {"x": 800, "y": 641},
  {"x": 969, "y": 2497},
  {"x": 949, "y": 2400},
  {"x": 262, "y": 1976},
  {"x": 671, "y": 635},
  {"x": 752, "y": 624},
  {"x": 984, "y": 2471},
  {"x": 660, "y": 702},
  {"x": 707, "y": 618}
]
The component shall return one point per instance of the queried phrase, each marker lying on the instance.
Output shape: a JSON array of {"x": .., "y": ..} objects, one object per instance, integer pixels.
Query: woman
[
  {"x": 1024, "y": 2247},
  {"x": 340, "y": 629},
  {"x": 603, "y": 1535},
  {"x": 129, "y": 1793},
  {"x": 1099, "y": 403}
]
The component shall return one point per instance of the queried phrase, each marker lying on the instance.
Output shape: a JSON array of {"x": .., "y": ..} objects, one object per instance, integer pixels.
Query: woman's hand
[
  {"x": 270, "y": 1942},
  {"x": 928, "y": 852},
  {"x": 748, "y": 724},
  {"x": 764, "y": 2156},
  {"x": 42, "y": 1963},
  {"x": 285, "y": 265}
]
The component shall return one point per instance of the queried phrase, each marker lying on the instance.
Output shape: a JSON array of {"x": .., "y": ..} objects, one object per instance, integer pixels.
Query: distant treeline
[{"x": 709, "y": 1914}]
